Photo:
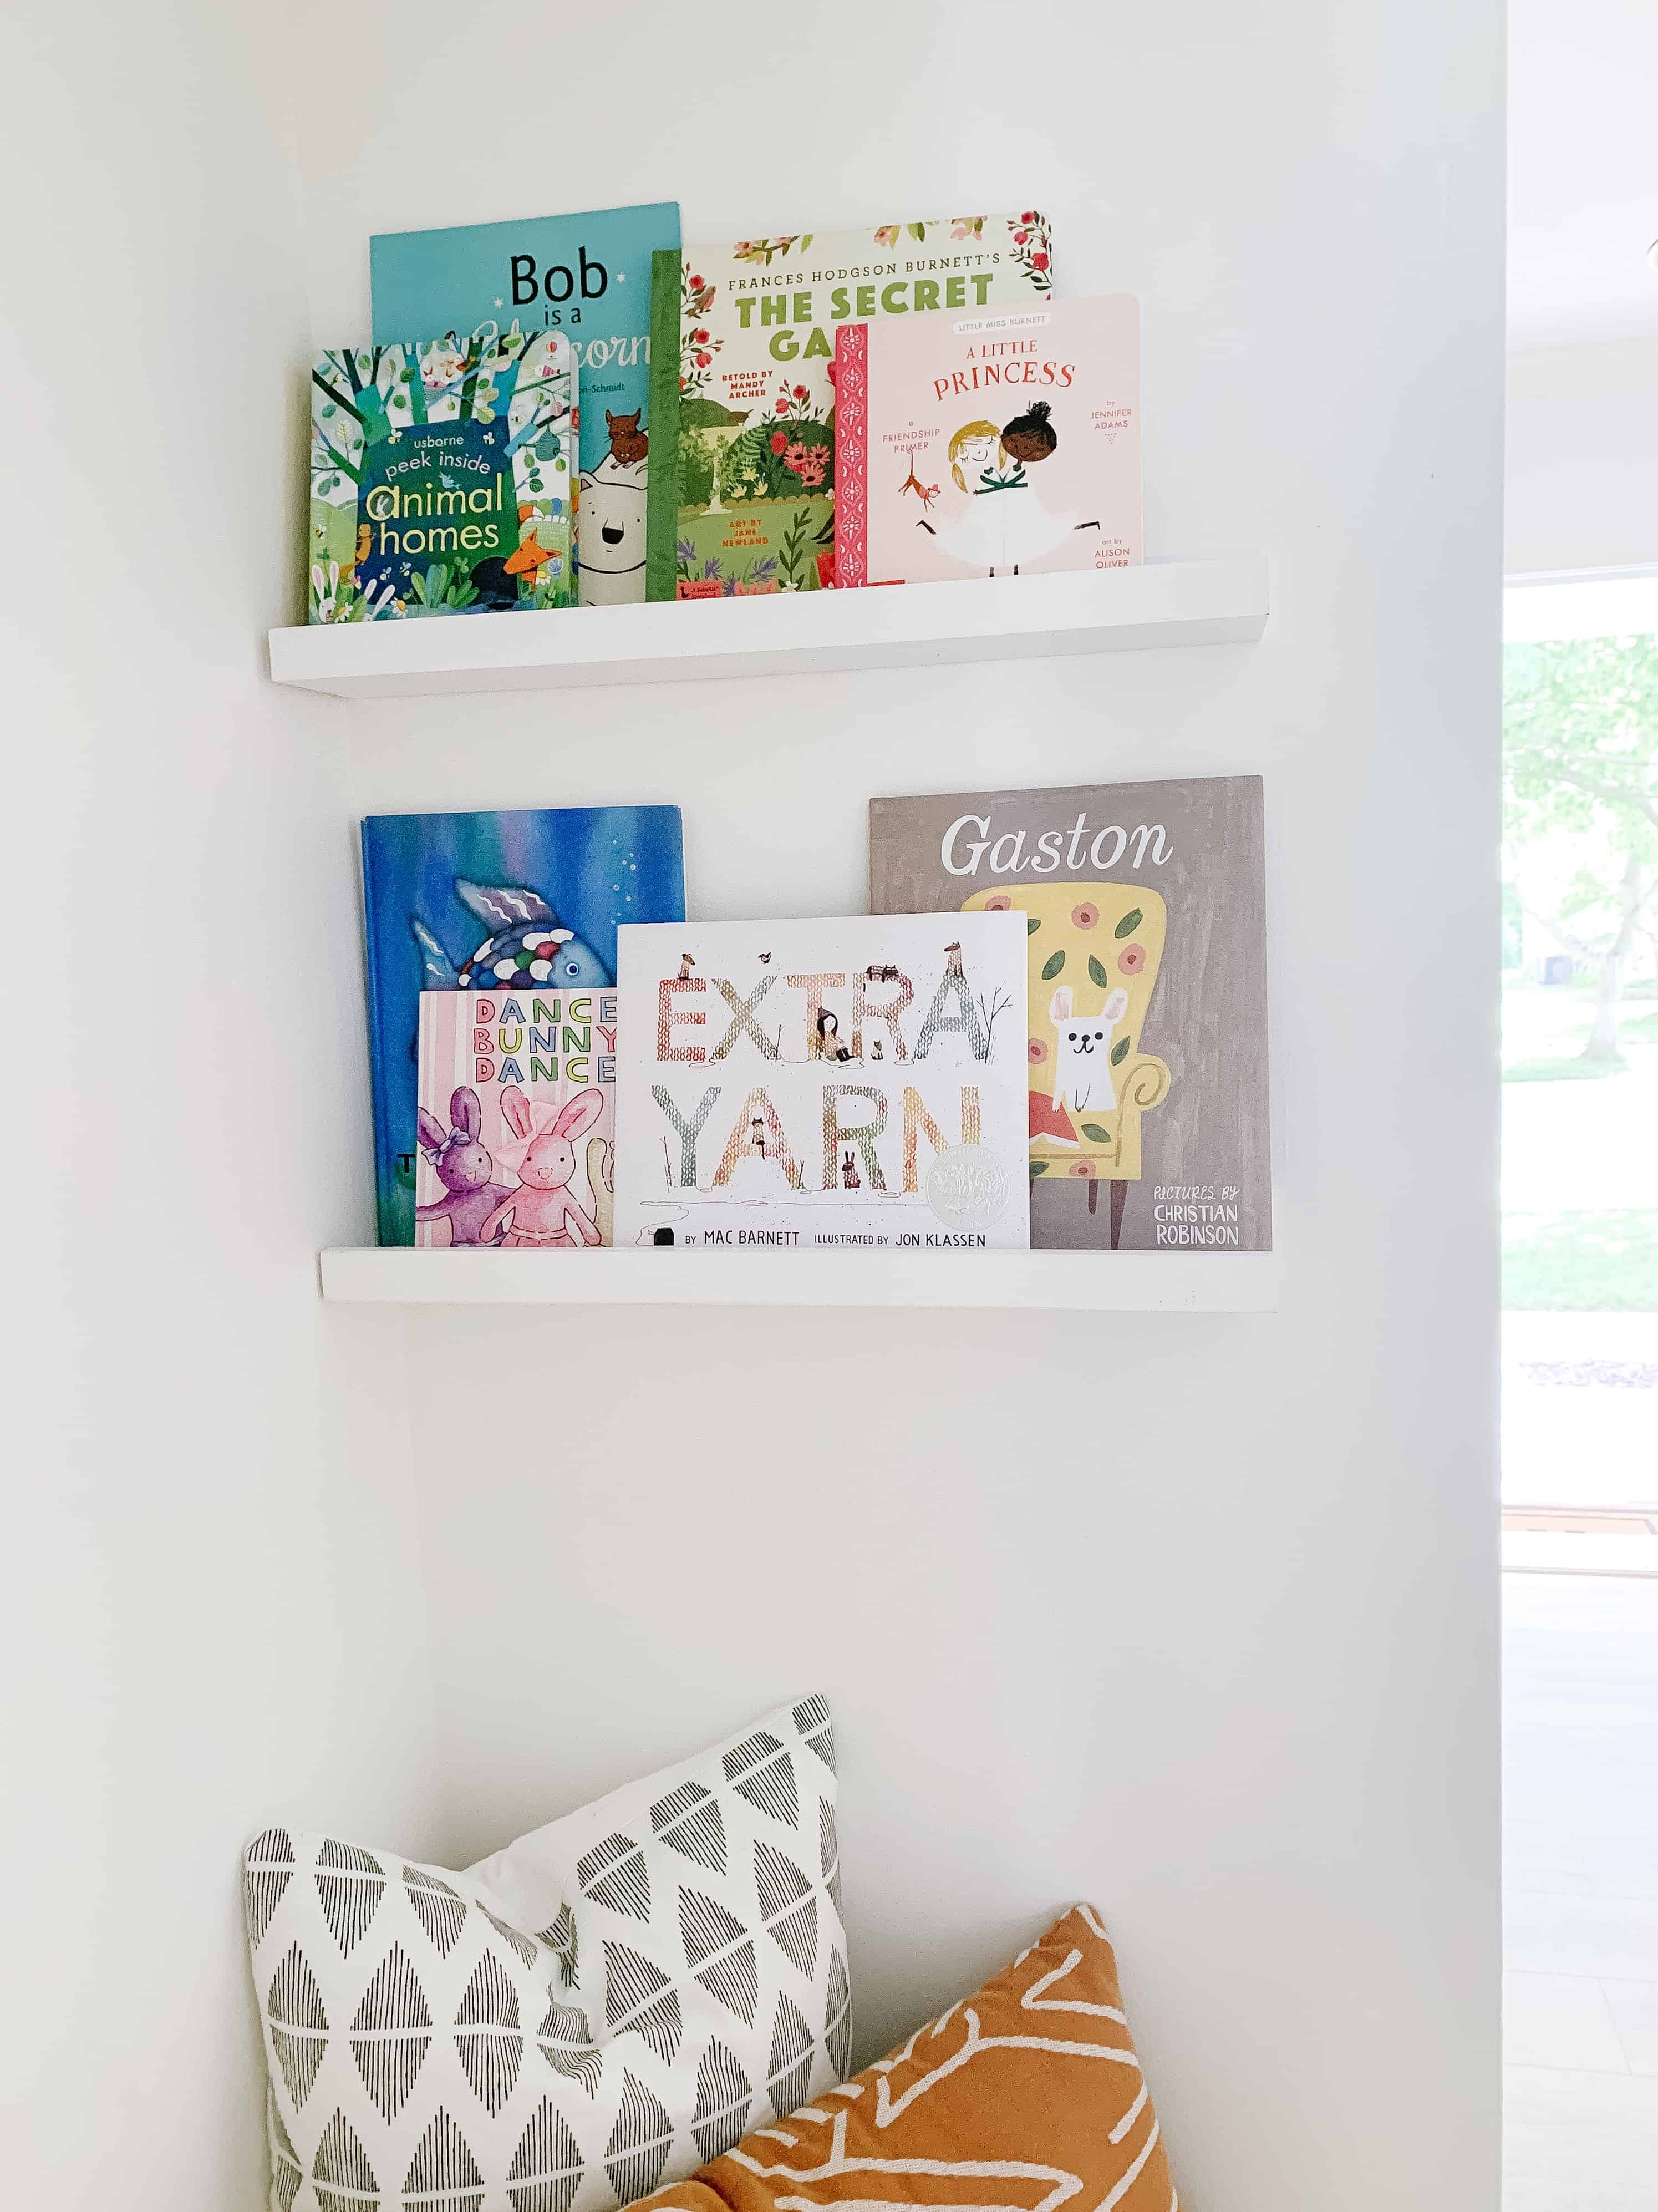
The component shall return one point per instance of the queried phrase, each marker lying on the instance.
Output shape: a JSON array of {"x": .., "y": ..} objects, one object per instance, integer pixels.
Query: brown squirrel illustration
[{"x": 629, "y": 445}]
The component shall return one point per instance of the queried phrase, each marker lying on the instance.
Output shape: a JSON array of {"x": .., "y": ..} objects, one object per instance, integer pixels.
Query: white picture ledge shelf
[
  {"x": 1090, "y": 1282},
  {"x": 1221, "y": 602}
]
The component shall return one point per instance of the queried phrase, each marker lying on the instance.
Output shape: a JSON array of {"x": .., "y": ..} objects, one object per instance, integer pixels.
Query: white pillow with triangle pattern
[{"x": 601, "y": 2008}]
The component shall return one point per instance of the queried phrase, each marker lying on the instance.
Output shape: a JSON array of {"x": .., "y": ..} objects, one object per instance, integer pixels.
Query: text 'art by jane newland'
[{"x": 809, "y": 1084}]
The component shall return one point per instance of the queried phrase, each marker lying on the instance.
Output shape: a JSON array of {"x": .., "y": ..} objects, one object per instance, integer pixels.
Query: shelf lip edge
[
  {"x": 1081, "y": 1281},
  {"x": 1227, "y": 599}
]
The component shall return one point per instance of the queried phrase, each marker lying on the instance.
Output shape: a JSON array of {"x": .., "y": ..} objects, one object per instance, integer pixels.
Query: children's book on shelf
[
  {"x": 516, "y": 1117},
  {"x": 742, "y": 405},
  {"x": 1146, "y": 1049},
  {"x": 502, "y": 904},
  {"x": 988, "y": 444},
  {"x": 442, "y": 477},
  {"x": 791, "y": 1086},
  {"x": 589, "y": 277}
]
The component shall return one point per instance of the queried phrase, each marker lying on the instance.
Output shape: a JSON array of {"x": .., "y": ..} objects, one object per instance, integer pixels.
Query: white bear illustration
[{"x": 610, "y": 533}]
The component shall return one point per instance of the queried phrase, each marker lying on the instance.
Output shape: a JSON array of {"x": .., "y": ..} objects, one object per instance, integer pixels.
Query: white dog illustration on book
[{"x": 1081, "y": 1057}]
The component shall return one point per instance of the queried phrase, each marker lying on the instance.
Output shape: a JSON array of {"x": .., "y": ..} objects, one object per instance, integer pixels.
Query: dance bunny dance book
[
  {"x": 999, "y": 443},
  {"x": 789, "y": 1085},
  {"x": 515, "y": 1117},
  {"x": 743, "y": 406}
]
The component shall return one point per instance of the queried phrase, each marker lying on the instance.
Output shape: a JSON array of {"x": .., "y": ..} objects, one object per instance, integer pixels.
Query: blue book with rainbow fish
[{"x": 519, "y": 900}]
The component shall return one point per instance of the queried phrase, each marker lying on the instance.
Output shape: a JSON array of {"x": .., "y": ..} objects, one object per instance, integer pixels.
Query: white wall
[
  {"x": 1194, "y": 1617},
  {"x": 213, "y": 1610},
  {"x": 1583, "y": 458}
]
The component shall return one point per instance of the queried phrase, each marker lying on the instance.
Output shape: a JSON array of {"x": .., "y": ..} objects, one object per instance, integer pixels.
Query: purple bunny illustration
[{"x": 464, "y": 1168}]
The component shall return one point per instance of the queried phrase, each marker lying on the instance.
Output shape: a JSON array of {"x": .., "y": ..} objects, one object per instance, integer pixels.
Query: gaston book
[
  {"x": 442, "y": 478},
  {"x": 743, "y": 382},
  {"x": 588, "y": 275},
  {"x": 988, "y": 444},
  {"x": 515, "y": 1117},
  {"x": 502, "y": 904},
  {"x": 1143, "y": 905},
  {"x": 795, "y": 1085}
]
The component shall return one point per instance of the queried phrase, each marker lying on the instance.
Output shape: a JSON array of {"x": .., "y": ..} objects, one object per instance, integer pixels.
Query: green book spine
[{"x": 662, "y": 496}]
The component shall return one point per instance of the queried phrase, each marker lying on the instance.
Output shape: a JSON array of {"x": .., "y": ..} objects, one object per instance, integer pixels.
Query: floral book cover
[
  {"x": 501, "y": 904},
  {"x": 989, "y": 444},
  {"x": 516, "y": 1117},
  {"x": 588, "y": 275},
  {"x": 794, "y": 1084},
  {"x": 743, "y": 382},
  {"x": 1143, "y": 905},
  {"x": 442, "y": 478}
]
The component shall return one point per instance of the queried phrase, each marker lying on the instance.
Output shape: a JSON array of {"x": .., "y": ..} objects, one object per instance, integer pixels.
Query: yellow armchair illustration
[{"x": 1094, "y": 950}]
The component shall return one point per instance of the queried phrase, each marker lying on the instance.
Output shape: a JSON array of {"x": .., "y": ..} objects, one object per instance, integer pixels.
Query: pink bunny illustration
[{"x": 541, "y": 1211}]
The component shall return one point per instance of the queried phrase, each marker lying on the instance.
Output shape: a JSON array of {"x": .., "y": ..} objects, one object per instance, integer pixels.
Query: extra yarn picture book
[
  {"x": 1146, "y": 1049},
  {"x": 502, "y": 904},
  {"x": 588, "y": 275},
  {"x": 788, "y": 1084},
  {"x": 988, "y": 444},
  {"x": 442, "y": 478},
  {"x": 516, "y": 1117},
  {"x": 742, "y": 405}
]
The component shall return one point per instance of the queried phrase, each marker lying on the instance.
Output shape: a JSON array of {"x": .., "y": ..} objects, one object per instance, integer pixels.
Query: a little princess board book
[
  {"x": 794, "y": 1084},
  {"x": 996, "y": 443},
  {"x": 516, "y": 1118}
]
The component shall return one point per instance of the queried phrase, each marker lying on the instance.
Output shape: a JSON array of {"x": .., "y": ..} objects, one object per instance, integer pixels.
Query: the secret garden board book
[
  {"x": 442, "y": 477},
  {"x": 1146, "y": 1049},
  {"x": 988, "y": 444},
  {"x": 515, "y": 1116},
  {"x": 742, "y": 407},
  {"x": 524, "y": 908},
  {"x": 589, "y": 276},
  {"x": 787, "y": 1086}
]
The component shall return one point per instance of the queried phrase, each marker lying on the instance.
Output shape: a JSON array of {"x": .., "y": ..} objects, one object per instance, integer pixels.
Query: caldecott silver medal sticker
[{"x": 968, "y": 1188}]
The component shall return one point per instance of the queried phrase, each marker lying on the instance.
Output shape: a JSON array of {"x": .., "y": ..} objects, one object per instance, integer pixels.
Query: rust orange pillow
[{"x": 1028, "y": 2095}]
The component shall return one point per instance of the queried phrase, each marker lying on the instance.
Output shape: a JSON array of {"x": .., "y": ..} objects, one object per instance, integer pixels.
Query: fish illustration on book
[{"x": 527, "y": 945}]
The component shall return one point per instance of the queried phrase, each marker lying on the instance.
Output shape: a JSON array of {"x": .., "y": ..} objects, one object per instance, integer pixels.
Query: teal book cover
[{"x": 587, "y": 276}]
